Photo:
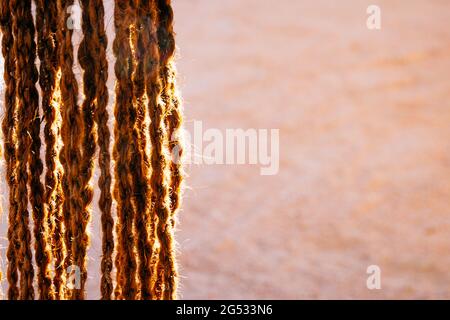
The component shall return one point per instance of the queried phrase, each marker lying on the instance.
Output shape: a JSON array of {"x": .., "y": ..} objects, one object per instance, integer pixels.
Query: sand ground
[
  {"x": 364, "y": 151},
  {"x": 364, "y": 173}
]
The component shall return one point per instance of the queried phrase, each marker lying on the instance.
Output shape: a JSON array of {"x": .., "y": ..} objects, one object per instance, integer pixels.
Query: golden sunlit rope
[{"x": 58, "y": 187}]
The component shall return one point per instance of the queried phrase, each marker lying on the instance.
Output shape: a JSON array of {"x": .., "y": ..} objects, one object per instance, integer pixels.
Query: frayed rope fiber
[{"x": 50, "y": 196}]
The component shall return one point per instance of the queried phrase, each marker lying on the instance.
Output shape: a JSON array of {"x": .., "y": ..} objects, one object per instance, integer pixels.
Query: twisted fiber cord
[
  {"x": 145, "y": 245},
  {"x": 72, "y": 126},
  {"x": 174, "y": 121},
  {"x": 56, "y": 219},
  {"x": 101, "y": 118},
  {"x": 174, "y": 116},
  {"x": 87, "y": 55},
  {"x": 165, "y": 286},
  {"x": 126, "y": 287},
  {"x": 26, "y": 74},
  {"x": 10, "y": 141},
  {"x": 45, "y": 25},
  {"x": 60, "y": 4},
  {"x": 64, "y": 134}
]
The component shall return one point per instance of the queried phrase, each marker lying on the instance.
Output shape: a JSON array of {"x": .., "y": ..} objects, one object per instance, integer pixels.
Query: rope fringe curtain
[{"x": 56, "y": 192}]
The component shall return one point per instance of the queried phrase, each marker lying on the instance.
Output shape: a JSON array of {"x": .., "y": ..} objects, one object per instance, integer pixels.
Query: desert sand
[{"x": 364, "y": 151}]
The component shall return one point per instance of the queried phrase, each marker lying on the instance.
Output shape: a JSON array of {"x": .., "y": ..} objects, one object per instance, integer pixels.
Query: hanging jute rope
[{"x": 50, "y": 199}]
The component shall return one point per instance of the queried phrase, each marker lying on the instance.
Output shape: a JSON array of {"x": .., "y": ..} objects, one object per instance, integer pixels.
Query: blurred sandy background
[
  {"x": 364, "y": 119},
  {"x": 364, "y": 150}
]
